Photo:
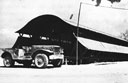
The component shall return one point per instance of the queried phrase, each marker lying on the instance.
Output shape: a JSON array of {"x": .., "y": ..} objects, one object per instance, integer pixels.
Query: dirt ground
[{"x": 116, "y": 72}]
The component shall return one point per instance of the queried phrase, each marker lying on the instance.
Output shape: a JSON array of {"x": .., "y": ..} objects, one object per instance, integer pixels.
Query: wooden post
[{"x": 77, "y": 58}]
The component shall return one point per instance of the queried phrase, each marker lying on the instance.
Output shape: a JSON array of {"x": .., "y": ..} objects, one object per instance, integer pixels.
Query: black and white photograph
[{"x": 63, "y": 41}]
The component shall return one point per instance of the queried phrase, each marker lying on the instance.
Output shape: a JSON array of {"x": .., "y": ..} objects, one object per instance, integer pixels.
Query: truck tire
[
  {"x": 41, "y": 60},
  {"x": 8, "y": 61},
  {"x": 57, "y": 63}
]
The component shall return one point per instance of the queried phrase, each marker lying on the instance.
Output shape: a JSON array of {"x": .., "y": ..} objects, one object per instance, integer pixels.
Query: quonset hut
[{"x": 51, "y": 30}]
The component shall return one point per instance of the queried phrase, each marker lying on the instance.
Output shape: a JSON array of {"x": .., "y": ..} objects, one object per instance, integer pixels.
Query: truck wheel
[
  {"x": 41, "y": 60},
  {"x": 8, "y": 61},
  {"x": 57, "y": 63}
]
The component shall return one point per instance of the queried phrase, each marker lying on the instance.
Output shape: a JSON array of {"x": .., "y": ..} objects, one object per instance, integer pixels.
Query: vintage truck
[{"x": 39, "y": 55}]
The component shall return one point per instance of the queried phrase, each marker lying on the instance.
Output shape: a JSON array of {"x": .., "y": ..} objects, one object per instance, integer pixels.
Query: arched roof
[{"x": 46, "y": 25}]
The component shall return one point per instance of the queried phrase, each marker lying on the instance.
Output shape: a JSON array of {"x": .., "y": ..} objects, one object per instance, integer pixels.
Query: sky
[{"x": 14, "y": 14}]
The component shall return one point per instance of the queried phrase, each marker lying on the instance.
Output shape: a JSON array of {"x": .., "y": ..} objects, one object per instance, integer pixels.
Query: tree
[
  {"x": 124, "y": 35},
  {"x": 99, "y": 1},
  {"x": 112, "y": 1}
]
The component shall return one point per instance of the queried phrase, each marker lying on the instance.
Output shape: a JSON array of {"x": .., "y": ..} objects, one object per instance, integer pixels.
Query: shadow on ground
[{"x": 32, "y": 67}]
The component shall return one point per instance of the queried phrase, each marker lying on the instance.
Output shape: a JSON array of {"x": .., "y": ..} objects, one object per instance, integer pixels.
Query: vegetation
[
  {"x": 112, "y": 1},
  {"x": 124, "y": 35}
]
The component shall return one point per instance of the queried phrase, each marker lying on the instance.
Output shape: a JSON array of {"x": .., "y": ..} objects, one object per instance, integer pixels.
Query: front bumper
[{"x": 53, "y": 57}]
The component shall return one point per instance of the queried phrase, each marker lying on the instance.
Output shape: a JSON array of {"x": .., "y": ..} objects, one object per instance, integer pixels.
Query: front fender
[{"x": 5, "y": 54}]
